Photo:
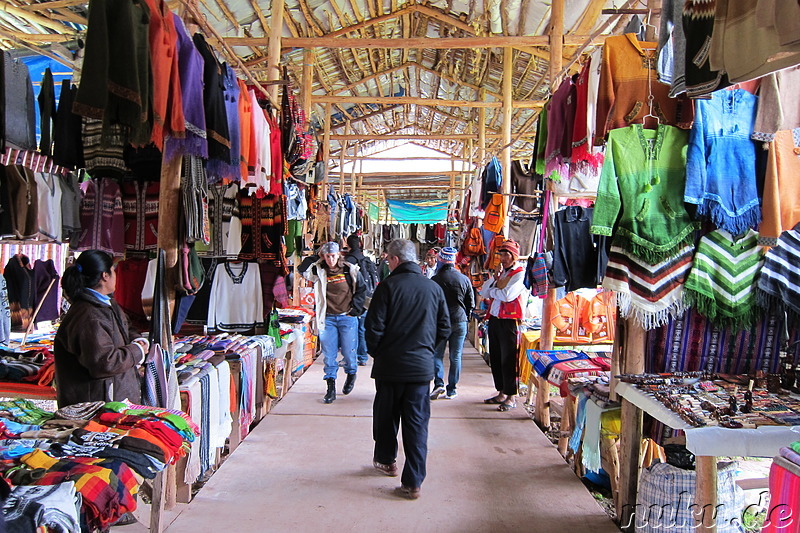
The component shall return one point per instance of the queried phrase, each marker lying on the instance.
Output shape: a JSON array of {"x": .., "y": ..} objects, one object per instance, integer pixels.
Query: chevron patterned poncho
[
  {"x": 779, "y": 283},
  {"x": 649, "y": 294},
  {"x": 721, "y": 285}
]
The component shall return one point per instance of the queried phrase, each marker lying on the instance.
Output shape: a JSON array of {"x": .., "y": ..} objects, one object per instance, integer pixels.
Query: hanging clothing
[
  {"x": 492, "y": 178},
  {"x": 67, "y": 142},
  {"x": 576, "y": 251},
  {"x": 779, "y": 281},
  {"x": 19, "y": 112},
  {"x": 225, "y": 224},
  {"x": 140, "y": 211},
  {"x": 47, "y": 112},
  {"x": 650, "y": 294},
  {"x": 48, "y": 192},
  {"x": 70, "y": 206},
  {"x": 131, "y": 274},
  {"x": 263, "y": 225},
  {"x": 23, "y": 201},
  {"x": 781, "y": 198},
  {"x": 260, "y": 154},
  {"x": 231, "y": 94},
  {"x": 194, "y": 198},
  {"x": 722, "y": 282},
  {"x": 104, "y": 149},
  {"x": 628, "y": 78},
  {"x": 44, "y": 272},
  {"x": 602, "y": 317},
  {"x": 570, "y": 315},
  {"x": 672, "y": 47},
  {"x": 194, "y": 140},
  {"x": 235, "y": 302},
  {"x": 720, "y": 161},
  {"x": 641, "y": 184},
  {"x": 495, "y": 216},
  {"x": 5, "y": 313},
  {"x": 18, "y": 273},
  {"x": 698, "y": 27},
  {"x": 560, "y": 120},
  {"x": 219, "y": 143},
  {"x": 245, "y": 128},
  {"x": 115, "y": 86},
  {"x": 101, "y": 217}
]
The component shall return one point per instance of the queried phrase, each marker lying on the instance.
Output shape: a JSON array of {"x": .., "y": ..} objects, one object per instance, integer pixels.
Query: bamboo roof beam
[
  {"x": 423, "y": 136},
  {"x": 55, "y": 4},
  {"x": 428, "y": 43},
  {"x": 519, "y": 104}
]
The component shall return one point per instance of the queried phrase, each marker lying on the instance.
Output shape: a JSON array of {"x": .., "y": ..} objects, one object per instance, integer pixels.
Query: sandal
[
  {"x": 493, "y": 400},
  {"x": 506, "y": 406}
]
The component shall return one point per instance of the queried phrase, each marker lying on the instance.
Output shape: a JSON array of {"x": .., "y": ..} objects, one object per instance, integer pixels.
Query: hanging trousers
[{"x": 411, "y": 404}]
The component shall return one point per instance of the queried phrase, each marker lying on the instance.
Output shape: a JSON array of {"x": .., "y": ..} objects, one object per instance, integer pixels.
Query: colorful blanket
[{"x": 779, "y": 283}]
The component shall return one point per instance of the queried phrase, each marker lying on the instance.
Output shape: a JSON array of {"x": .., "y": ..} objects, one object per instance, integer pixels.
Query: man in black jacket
[
  {"x": 407, "y": 318},
  {"x": 460, "y": 300},
  {"x": 368, "y": 270}
]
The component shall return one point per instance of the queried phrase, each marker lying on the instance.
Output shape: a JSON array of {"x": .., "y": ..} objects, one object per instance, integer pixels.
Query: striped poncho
[
  {"x": 722, "y": 282},
  {"x": 779, "y": 282}
]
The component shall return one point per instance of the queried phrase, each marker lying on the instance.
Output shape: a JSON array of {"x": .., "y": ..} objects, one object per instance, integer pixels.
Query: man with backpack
[{"x": 369, "y": 271}]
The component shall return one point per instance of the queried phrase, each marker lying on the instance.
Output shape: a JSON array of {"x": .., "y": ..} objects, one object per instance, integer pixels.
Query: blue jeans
[
  {"x": 361, "y": 351},
  {"x": 340, "y": 332},
  {"x": 456, "y": 341}
]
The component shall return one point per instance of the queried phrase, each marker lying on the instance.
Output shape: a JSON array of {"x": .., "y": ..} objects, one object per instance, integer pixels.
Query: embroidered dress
[
  {"x": 639, "y": 200},
  {"x": 140, "y": 209},
  {"x": 722, "y": 282},
  {"x": 779, "y": 282},
  {"x": 649, "y": 294},
  {"x": 720, "y": 163}
]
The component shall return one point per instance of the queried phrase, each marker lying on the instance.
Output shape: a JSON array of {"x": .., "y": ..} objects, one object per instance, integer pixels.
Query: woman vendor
[{"x": 97, "y": 354}]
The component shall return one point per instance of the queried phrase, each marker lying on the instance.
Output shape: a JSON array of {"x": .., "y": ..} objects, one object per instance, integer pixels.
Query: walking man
[
  {"x": 369, "y": 271},
  {"x": 460, "y": 300},
  {"x": 407, "y": 318},
  {"x": 339, "y": 291}
]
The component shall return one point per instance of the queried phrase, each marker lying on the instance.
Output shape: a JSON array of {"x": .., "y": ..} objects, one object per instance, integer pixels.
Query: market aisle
[{"x": 307, "y": 467}]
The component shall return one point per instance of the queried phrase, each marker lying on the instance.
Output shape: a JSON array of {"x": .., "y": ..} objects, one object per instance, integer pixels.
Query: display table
[{"x": 706, "y": 443}]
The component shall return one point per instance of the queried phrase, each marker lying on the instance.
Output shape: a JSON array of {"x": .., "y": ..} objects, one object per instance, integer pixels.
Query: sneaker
[
  {"x": 451, "y": 394},
  {"x": 389, "y": 470},
  {"x": 437, "y": 391},
  {"x": 362, "y": 363},
  {"x": 409, "y": 493}
]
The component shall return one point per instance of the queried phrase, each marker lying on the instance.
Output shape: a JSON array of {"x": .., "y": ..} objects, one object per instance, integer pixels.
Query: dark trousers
[
  {"x": 411, "y": 403},
  {"x": 503, "y": 354}
]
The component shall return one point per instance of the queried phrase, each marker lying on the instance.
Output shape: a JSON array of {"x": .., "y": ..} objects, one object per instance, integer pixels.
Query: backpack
[
  {"x": 369, "y": 271},
  {"x": 473, "y": 244}
]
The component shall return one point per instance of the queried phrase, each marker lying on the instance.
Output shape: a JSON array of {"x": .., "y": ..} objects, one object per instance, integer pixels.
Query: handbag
[{"x": 537, "y": 268}]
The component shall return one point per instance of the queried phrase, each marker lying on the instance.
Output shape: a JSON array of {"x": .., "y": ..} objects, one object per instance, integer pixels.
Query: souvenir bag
[
  {"x": 473, "y": 243},
  {"x": 536, "y": 271}
]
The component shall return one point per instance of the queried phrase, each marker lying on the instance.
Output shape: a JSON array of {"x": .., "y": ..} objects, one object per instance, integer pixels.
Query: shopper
[
  {"x": 407, "y": 318},
  {"x": 369, "y": 271},
  {"x": 97, "y": 354},
  {"x": 460, "y": 299},
  {"x": 505, "y": 292},
  {"x": 431, "y": 262},
  {"x": 339, "y": 291}
]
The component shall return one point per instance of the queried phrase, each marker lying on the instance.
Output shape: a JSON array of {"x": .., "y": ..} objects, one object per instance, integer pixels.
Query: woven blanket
[
  {"x": 722, "y": 282},
  {"x": 692, "y": 343},
  {"x": 650, "y": 294},
  {"x": 779, "y": 282}
]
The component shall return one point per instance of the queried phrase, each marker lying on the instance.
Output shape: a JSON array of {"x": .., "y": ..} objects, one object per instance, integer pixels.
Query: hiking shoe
[
  {"x": 389, "y": 470},
  {"x": 451, "y": 394},
  {"x": 437, "y": 391},
  {"x": 409, "y": 493}
]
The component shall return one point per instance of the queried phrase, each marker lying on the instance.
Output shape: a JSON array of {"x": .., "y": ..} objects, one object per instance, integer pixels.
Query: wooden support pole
[
  {"x": 309, "y": 57},
  {"x": 326, "y": 149},
  {"x": 508, "y": 74},
  {"x": 706, "y": 495},
  {"x": 274, "y": 50},
  {"x": 481, "y": 130}
]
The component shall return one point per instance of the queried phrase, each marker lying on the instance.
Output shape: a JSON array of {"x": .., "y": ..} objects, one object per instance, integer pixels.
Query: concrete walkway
[{"x": 308, "y": 467}]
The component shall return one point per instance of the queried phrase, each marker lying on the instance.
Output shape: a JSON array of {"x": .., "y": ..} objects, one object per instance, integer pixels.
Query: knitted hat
[
  {"x": 329, "y": 248},
  {"x": 448, "y": 255},
  {"x": 511, "y": 247},
  {"x": 433, "y": 251}
]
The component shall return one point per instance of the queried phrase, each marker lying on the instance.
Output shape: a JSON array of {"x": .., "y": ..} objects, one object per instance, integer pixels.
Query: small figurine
[{"x": 732, "y": 401}]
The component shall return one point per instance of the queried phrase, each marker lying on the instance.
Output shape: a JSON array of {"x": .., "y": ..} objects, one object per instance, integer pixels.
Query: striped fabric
[
  {"x": 721, "y": 284},
  {"x": 692, "y": 343},
  {"x": 650, "y": 294},
  {"x": 779, "y": 283}
]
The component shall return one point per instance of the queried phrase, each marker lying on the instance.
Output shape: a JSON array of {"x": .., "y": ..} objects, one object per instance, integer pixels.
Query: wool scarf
[{"x": 722, "y": 282}]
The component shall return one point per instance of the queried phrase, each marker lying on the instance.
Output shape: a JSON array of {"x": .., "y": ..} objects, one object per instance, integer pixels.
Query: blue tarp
[{"x": 418, "y": 211}]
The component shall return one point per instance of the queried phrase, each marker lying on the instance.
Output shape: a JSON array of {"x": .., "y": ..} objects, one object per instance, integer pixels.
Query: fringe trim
[
  {"x": 649, "y": 319},
  {"x": 216, "y": 170},
  {"x": 649, "y": 255},
  {"x": 775, "y": 304},
  {"x": 735, "y": 225},
  {"x": 189, "y": 145},
  {"x": 707, "y": 306}
]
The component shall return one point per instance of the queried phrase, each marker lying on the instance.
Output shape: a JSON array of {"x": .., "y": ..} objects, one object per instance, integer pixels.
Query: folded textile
[{"x": 79, "y": 411}]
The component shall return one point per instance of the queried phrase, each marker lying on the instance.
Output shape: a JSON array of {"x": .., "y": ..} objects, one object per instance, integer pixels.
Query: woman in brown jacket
[{"x": 97, "y": 354}]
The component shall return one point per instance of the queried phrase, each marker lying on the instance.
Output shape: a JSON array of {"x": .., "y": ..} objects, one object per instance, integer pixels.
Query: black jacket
[
  {"x": 407, "y": 317},
  {"x": 457, "y": 292}
]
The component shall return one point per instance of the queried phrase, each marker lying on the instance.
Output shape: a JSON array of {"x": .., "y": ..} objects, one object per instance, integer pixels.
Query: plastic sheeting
[{"x": 418, "y": 211}]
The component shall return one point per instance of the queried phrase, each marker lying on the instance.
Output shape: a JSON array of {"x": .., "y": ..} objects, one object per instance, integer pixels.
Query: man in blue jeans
[
  {"x": 339, "y": 290},
  {"x": 460, "y": 300}
]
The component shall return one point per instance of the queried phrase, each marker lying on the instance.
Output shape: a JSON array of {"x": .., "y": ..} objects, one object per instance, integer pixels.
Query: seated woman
[{"x": 97, "y": 354}]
